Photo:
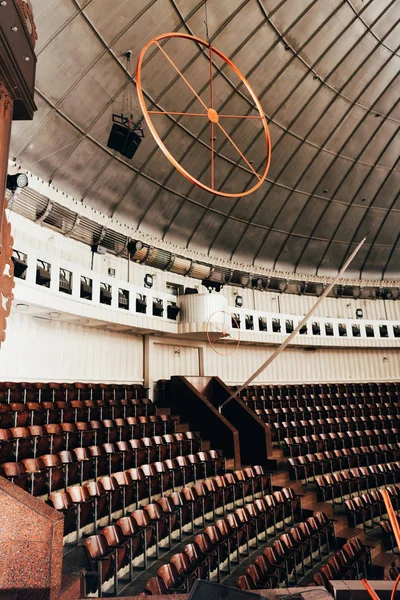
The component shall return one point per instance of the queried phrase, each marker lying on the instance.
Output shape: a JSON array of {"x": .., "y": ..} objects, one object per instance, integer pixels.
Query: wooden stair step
[
  {"x": 182, "y": 427},
  {"x": 163, "y": 411}
]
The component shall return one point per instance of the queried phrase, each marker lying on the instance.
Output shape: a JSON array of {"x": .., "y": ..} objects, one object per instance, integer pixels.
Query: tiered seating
[
  {"x": 367, "y": 507},
  {"x": 227, "y": 540},
  {"x": 288, "y": 553},
  {"x": 352, "y": 561}
]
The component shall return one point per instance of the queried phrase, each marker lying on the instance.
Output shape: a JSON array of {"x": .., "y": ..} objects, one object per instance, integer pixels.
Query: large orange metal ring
[
  {"x": 209, "y": 112},
  {"x": 231, "y": 318}
]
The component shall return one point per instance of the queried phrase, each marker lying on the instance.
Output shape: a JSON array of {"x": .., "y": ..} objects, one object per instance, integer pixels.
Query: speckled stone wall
[{"x": 31, "y": 541}]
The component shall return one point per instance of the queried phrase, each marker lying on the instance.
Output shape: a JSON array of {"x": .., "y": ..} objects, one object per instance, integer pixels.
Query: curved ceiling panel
[{"x": 326, "y": 72}]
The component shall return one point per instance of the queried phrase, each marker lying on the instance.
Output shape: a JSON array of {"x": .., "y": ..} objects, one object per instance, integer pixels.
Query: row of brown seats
[
  {"x": 290, "y": 551},
  {"x": 51, "y": 471},
  {"x": 333, "y": 425},
  {"x": 221, "y": 540},
  {"x": 159, "y": 521},
  {"x": 352, "y": 561},
  {"x": 369, "y": 506},
  {"x": 323, "y": 401},
  {"x": 305, "y": 444},
  {"x": 279, "y": 415},
  {"x": 352, "y": 481},
  {"x": 27, "y": 391},
  {"x": 25, "y": 442},
  {"x": 18, "y": 414},
  {"x": 307, "y": 467},
  {"x": 387, "y": 531},
  {"x": 322, "y": 388}
]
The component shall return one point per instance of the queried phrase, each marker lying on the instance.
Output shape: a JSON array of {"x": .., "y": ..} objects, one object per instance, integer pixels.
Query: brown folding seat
[
  {"x": 184, "y": 444},
  {"x": 175, "y": 472},
  {"x": 6, "y": 416},
  {"x": 111, "y": 432},
  {"x": 188, "y": 468},
  {"x": 184, "y": 510},
  {"x": 147, "y": 529},
  {"x": 230, "y": 536},
  {"x": 198, "y": 559},
  {"x": 71, "y": 435},
  {"x": 104, "y": 410},
  {"x": 54, "y": 471},
  {"x": 276, "y": 510},
  {"x": 148, "y": 406},
  {"x": 172, "y": 445},
  {"x": 82, "y": 391},
  {"x": 168, "y": 424},
  {"x": 100, "y": 432},
  {"x": 6, "y": 445},
  {"x": 206, "y": 500},
  {"x": 162, "y": 447},
  {"x": 37, "y": 413},
  {"x": 192, "y": 498},
  {"x": 115, "y": 408},
  {"x": 155, "y": 586},
  {"x": 171, "y": 511},
  {"x": 21, "y": 414},
  {"x": 101, "y": 558},
  {"x": 209, "y": 463},
  {"x": 16, "y": 473},
  {"x": 140, "y": 452},
  {"x": 185, "y": 569},
  {"x": 123, "y": 429},
  {"x": 269, "y": 572},
  {"x": 86, "y": 463},
  {"x": 161, "y": 523},
  {"x": 113, "y": 489},
  {"x": 79, "y": 408},
  {"x": 257, "y": 578},
  {"x": 257, "y": 517},
  {"x": 84, "y": 506},
  {"x": 141, "y": 484},
  {"x": 210, "y": 552},
  {"x": 250, "y": 523},
  {"x": 132, "y": 532},
  {"x": 41, "y": 441},
  {"x": 298, "y": 549},
  {"x": 86, "y": 434},
  {"x": 114, "y": 457},
  {"x": 128, "y": 488},
  {"x": 62, "y": 502},
  {"x": 23, "y": 442},
  {"x": 146, "y": 426},
  {"x": 158, "y": 427},
  {"x": 127, "y": 455},
  {"x": 287, "y": 555},
  {"x": 136, "y": 404},
  {"x": 226, "y": 490},
  {"x": 101, "y": 501},
  {"x": 240, "y": 528},
  {"x": 65, "y": 411},
  {"x": 171, "y": 578},
  {"x": 265, "y": 479},
  {"x": 164, "y": 476},
  {"x": 57, "y": 437},
  {"x": 153, "y": 479},
  {"x": 277, "y": 562},
  {"x": 101, "y": 463},
  {"x": 27, "y": 391},
  {"x": 121, "y": 546},
  {"x": 152, "y": 450}
]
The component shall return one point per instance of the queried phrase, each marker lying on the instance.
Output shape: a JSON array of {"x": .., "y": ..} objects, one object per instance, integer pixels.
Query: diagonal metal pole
[{"x": 275, "y": 354}]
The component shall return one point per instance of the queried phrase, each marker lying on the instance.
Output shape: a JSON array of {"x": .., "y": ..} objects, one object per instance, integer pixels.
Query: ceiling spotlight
[
  {"x": 22, "y": 307},
  {"x": 212, "y": 285},
  {"x": 19, "y": 180},
  {"x": 239, "y": 301},
  {"x": 325, "y": 191},
  {"x": 359, "y": 313},
  {"x": 133, "y": 247},
  {"x": 148, "y": 280}
]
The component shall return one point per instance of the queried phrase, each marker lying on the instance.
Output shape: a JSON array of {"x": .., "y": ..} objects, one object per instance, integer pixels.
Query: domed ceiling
[{"x": 326, "y": 73}]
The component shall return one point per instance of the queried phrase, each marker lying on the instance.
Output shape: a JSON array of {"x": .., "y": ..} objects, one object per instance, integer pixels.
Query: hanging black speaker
[{"x": 125, "y": 136}]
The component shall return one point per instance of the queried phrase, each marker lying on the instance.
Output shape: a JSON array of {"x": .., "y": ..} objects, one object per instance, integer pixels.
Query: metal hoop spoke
[
  {"x": 181, "y": 74},
  {"x": 222, "y": 116},
  {"x": 170, "y": 112},
  {"x": 239, "y": 152}
]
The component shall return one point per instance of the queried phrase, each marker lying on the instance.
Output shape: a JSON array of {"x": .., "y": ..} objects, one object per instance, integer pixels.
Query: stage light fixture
[
  {"x": 133, "y": 247},
  {"x": 212, "y": 285},
  {"x": 148, "y": 280},
  {"x": 19, "y": 180},
  {"x": 359, "y": 313}
]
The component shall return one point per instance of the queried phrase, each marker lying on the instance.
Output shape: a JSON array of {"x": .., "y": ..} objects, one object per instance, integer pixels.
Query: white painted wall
[{"x": 41, "y": 350}]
